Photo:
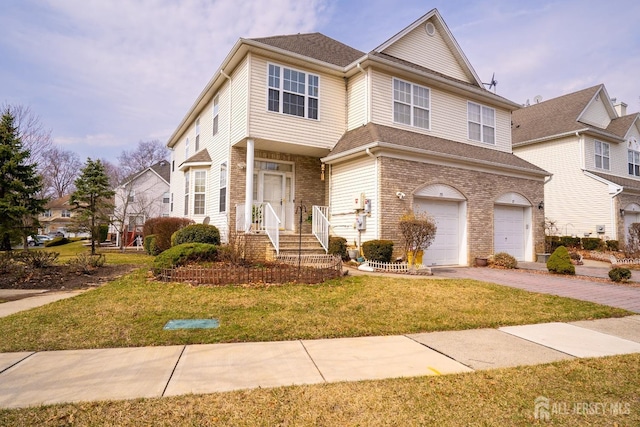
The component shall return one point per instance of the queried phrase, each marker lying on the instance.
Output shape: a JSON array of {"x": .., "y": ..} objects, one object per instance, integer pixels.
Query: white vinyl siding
[
  {"x": 349, "y": 180},
  {"x": 356, "y": 101},
  {"x": 602, "y": 152},
  {"x": 431, "y": 52},
  {"x": 596, "y": 114},
  {"x": 308, "y": 134},
  {"x": 448, "y": 114},
  {"x": 576, "y": 202},
  {"x": 411, "y": 104}
]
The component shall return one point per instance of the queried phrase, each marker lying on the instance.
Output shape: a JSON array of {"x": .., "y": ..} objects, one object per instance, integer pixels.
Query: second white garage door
[
  {"x": 509, "y": 231},
  {"x": 445, "y": 249}
]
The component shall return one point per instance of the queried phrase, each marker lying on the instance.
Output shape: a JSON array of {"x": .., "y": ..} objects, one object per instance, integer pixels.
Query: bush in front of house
[
  {"x": 196, "y": 233},
  {"x": 612, "y": 245},
  {"x": 560, "y": 262},
  {"x": 570, "y": 242},
  {"x": 592, "y": 244},
  {"x": 150, "y": 245},
  {"x": 163, "y": 228},
  {"x": 503, "y": 260},
  {"x": 378, "y": 250},
  {"x": 338, "y": 246},
  {"x": 39, "y": 259},
  {"x": 183, "y": 254},
  {"x": 620, "y": 274}
]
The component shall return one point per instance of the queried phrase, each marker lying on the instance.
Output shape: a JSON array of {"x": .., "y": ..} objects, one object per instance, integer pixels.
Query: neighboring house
[
  {"x": 57, "y": 216},
  {"x": 139, "y": 197},
  {"x": 304, "y": 120},
  {"x": 592, "y": 149}
]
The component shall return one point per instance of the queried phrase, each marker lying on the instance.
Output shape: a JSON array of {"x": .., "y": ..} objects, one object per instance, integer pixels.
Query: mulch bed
[{"x": 61, "y": 277}]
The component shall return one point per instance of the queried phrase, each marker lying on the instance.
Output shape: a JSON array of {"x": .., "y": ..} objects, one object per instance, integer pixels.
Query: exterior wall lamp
[
  {"x": 621, "y": 212},
  {"x": 541, "y": 205}
]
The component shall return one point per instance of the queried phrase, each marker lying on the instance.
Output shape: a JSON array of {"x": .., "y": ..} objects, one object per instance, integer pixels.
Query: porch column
[{"x": 248, "y": 192}]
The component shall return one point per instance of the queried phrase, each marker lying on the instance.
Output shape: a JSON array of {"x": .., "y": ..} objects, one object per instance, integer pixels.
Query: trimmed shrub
[
  {"x": 570, "y": 242},
  {"x": 378, "y": 250},
  {"x": 196, "y": 233},
  {"x": 504, "y": 260},
  {"x": 58, "y": 241},
  {"x": 612, "y": 245},
  {"x": 338, "y": 246},
  {"x": 183, "y": 254},
  {"x": 150, "y": 245},
  {"x": 560, "y": 262},
  {"x": 620, "y": 274},
  {"x": 592, "y": 244},
  {"x": 163, "y": 228}
]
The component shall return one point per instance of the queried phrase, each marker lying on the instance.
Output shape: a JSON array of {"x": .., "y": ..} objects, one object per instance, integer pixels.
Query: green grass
[
  {"x": 71, "y": 250},
  {"x": 503, "y": 397},
  {"x": 131, "y": 312}
]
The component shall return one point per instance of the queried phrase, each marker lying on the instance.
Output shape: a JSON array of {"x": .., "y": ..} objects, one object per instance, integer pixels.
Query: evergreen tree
[
  {"x": 92, "y": 198},
  {"x": 19, "y": 186}
]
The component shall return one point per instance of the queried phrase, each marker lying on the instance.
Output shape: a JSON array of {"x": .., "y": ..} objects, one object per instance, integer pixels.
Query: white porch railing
[
  {"x": 320, "y": 225},
  {"x": 271, "y": 224},
  {"x": 263, "y": 219}
]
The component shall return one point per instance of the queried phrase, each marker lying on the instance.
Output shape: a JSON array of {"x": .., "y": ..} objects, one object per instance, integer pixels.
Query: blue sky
[{"x": 105, "y": 74}]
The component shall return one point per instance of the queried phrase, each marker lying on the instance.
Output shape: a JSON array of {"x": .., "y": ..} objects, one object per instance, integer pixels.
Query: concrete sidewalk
[
  {"x": 41, "y": 297},
  {"x": 34, "y": 378}
]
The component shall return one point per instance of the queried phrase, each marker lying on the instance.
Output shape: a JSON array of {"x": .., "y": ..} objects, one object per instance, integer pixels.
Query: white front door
[
  {"x": 273, "y": 193},
  {"x": 509, "y": 231},
  {"x": 445, "y": 249},
  {"x": 629, "y": 218}
]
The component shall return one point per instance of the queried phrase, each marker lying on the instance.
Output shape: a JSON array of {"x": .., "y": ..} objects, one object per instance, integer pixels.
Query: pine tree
[
  {"x": 19, "y": 186},
  {"x": 92, "y": 198}
]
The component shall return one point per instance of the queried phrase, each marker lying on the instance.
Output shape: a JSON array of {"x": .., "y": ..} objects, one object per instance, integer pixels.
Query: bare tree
[
  {"x": 59, "y": 169},
  {"x": 34, "y": 136},
  {"x": 113, "y": 172},
  {"x": 146, "y": 154}
]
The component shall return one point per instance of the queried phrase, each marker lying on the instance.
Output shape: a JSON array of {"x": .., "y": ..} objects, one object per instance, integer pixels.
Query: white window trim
[
  {"x": 186, "y": 148},
  {"x": 281, "y": 91},
  {"x": 411, "y": 105},
  {"x": 633, "y": 162},
  {"x": 197, "y": 147},
  {"x": 601, "y": 155},
  {"x": 215, "y": 124},
  {"x": 187, "y": 185},
  {"x": 482, "y": 124},
  {"x": 224, "y": 175},
  {"x": 203, "y": 193}
]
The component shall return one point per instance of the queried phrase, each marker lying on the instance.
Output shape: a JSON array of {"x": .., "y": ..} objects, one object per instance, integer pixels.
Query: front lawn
[{"x": 131, "y": 312}]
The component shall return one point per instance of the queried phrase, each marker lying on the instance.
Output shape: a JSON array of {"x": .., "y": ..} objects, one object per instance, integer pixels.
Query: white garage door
[
  {"x": 509, "y": 231},
  {"x": 445, "y": 249}
]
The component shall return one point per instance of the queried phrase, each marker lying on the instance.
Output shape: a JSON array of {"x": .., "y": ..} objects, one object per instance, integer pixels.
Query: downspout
[
  {"x": 614, "y": 221},
  {"x": 581, "y": 150},
  {"x": 375, "y": 171}
]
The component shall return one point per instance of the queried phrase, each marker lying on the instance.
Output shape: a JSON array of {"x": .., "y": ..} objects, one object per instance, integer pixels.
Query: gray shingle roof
[
  {"x": 315, "y": 45},
  {"x": 553, "y": 117},
  {"x": 372, "y": 133},
  {"x": 627, "y": 183},
  {"x": 621, "y": 125},
  {"x": 163, "y": 169},
  {"x": 201, "y": 156}
]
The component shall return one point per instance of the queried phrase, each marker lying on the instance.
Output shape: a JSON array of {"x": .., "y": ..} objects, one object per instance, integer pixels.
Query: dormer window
[{"x": 293, "y": 92}]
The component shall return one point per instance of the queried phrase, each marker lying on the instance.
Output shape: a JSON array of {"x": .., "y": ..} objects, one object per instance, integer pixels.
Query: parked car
[
  {"x": 38, "y": 240},
  {"x": 55, "y": 234}
]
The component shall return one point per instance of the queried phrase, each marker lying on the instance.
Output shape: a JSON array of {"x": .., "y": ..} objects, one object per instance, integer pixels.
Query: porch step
[{"x": 307, "y": 244}]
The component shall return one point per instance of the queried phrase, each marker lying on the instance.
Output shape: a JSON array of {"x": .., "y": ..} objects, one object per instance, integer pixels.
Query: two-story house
[
  {"x": 591, "y": 146},
  {"x": 57, "y": 216},
  {"x": 139, "y": 197},
  {"x": 358, "y": 139}
]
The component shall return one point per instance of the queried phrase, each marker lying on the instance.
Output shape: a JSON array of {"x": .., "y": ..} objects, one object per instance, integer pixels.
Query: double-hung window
[
  {"x": 482, "y": 123},
  {"x": 199, "y": 190},
  {"x": 216, "y": 108},
  {"x": 293, "y": 92},
  {"x": 411, "y": 104},
  {"x": 602, "y": 155},
  {"x": 223, "y": 187},
  {"x": 186, "y": 193},
  {"x": 634, "y": 162},
  {"x": 197, "y": 134},
  {"x": 66, "y": 213},
  {"x": 186, "y": 148}
]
